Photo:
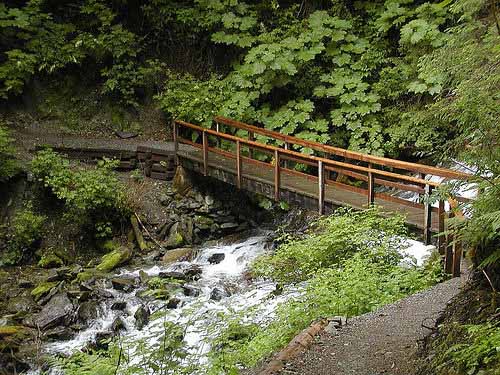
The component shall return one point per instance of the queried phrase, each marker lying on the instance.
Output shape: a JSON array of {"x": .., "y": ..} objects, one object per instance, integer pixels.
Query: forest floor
[{"x": 385, "y": 341}]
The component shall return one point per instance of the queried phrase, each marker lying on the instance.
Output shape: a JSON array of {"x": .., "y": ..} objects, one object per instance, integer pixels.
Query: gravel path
[{"x": 381, "y": 342}]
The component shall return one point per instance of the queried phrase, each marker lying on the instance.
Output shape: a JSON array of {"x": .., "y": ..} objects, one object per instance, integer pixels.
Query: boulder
[
  {"x": 59, "y": 333},
  {"x": 50, "y": 261},
  {"x": 58, "y": 311},
  {"x": 217, "y": 294},
  {"x": 181, "y": 183},
  {"x": 175, "y": 238},
  {"x": 175, "y": 255},
  {"x": 119, "y": 305},
  {"x": 20, "y": 304},
  {"x": 88, "y": 311},
  {"x": 173, "y": 303},
  {"x": 229, "y": 226},
  {"x": 114, "y": 259},
  {"x": 125, "y": 284},
  {"x": 193, "y": 272},
  {"x": 191, "y": 291},
  {"x": 141, "y": 317},
  {"x": 173, "y": 275},
  {"x": 216, "y": 258}
]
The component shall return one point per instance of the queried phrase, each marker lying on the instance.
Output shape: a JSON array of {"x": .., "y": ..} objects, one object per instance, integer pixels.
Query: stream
[{"x": 221, "y": 290}]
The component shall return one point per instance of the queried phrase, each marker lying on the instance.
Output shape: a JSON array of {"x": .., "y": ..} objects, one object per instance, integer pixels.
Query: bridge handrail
[
  {"x": 316, "y": 159},
  {"x": 388, "y": 162}
]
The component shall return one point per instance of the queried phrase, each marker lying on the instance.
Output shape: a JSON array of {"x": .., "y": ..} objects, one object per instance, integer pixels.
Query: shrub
[
  {"x": 91, "y": 195},
  {"x": 8, "y": 166},
  {"x": 26, "y": 231}
]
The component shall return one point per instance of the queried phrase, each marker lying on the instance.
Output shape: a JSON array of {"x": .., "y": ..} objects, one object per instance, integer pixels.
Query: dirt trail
[{"x": 381, "y": 342}]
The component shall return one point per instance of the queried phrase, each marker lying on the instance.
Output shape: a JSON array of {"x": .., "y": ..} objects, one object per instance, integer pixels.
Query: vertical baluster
[
  {"x": 441, "y": 236},
  {"x": 238, "y": 164},
  {"x": 217, "y": 129},
  {"x": 251, "y": 137},
  {"x": 205, "y": 153},
  {"x": 276, "y": 175},
  {"x": 287, "y": 147},
  {"x": 427, "y": 214},
  {"x": 321, "y": 187},
  {"x": 371, "y": 186}
]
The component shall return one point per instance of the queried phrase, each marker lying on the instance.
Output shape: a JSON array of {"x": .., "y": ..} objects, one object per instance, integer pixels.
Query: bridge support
[
  {"x": 205, "y": 153},
  {"x": 276, "y": 175},
  {"x": 371, "y": 187},
  {"x": 427, "y": 214},
  {"x": 238, "y": 164},
  {"x": 175, "y": 137}
]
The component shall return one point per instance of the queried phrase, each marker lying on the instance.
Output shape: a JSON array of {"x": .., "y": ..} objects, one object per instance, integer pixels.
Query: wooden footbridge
[{"x": 322, "y": 178}]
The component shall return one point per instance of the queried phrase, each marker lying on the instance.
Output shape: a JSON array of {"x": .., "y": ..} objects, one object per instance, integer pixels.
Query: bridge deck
[{"x": 335, "y": 193}]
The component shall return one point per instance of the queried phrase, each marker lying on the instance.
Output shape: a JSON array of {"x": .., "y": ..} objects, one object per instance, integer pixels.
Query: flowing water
[{"x": 198, "y": 317}]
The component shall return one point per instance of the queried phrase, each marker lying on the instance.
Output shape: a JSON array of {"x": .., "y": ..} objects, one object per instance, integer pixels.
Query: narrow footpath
[{"x": 382, "y": 342}]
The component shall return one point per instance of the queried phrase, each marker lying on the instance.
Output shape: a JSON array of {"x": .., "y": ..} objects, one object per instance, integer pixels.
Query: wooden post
[
  {"x": 175, "y": 137},
  {"x": 427, "y": 215},
  {"x": 321, "y": 187},
  {"x": 457, "y": 258},
  {"x": 371, "y": 187},
  {"x": 287, "y": 147},
  {"x": 441, "y": 236},
  {"x": 251, "y": 137},
  {"x": 217, "y": 129},
  {"x": 238, "y": 164},
  {"x": 276, "y": 175},
  {"x": 205, "y": 153}
]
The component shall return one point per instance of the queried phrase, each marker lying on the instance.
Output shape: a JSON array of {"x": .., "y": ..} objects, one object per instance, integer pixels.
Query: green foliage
[
  {"x": 334, "y": 239},
  {"x": 25, "y": 230},
  {"x": 350, "y": 266},
  {"x": 92, "y": 196},
  {"x": 8, "y": 166},
  {"x": 476, "y": 352}
]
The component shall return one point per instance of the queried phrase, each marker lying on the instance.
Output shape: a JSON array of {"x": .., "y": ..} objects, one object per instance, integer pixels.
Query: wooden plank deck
[{"x": 336, "y": 194}]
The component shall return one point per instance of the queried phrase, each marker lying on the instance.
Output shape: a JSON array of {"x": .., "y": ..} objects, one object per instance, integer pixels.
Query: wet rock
[
  {"x": 20, "y": 304},
  {"x": 59, "y": 334},
  {"x": 216, "y": 258},
  {"x": 191, "y": 291},
  {"x": 175, "y": 255},
  {"x": 173, "y": 303},
  {"x": 143, "y": 276},
  {"x": 88, "y": 311},
  {"x": 102, "y": 339},
  {"x": 58, "y": 311},
  {"x": 104, "y": 293},
  {"x": 124, "y": 284},
  {"x": 126, "y": 135},
  {"x": 119, "y": 305},
  {"x": 217, "y": 294},
  {"x": 114, "y": 259},
  {"x": 173, "y": 275},
  {"x": 193, "y": 272},
  {"x": 141, "y": 317},
  {"x": 118, "y": 325}
]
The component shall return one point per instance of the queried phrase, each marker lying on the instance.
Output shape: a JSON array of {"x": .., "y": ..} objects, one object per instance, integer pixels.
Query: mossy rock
[
  {"x": 114, "y": 259},
  {"x": 176, "y": 255},
  {"x": 12, "y": 336},
  {"x": 42, "y": 290},
  {"x": 50, "y": 261}
]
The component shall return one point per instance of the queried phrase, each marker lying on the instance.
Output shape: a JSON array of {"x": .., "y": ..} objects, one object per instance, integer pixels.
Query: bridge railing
[{"x": 372, "y": 170}]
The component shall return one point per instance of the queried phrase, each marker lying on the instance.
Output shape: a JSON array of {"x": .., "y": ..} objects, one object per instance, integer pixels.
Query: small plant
[
  {"x": 137, "y": 175},
  {"x": 26, "y": 231},
  {"x": 8, "y": 165}
]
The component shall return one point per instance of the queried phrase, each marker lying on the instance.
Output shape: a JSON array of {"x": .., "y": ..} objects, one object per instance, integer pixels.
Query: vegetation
[
  {"x": 8, "y": 166},
  {"x": 91, "y": 196},
  {"x": 25, "y": 231},
  {"x": 350, "y": 263}
]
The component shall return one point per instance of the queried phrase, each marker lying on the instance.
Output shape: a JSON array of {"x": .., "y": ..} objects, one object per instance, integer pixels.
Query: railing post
[
  {"x": 251, "y": 137},
  {"x": 371, "y": 187},
  {"x": 427, "y": 214},
  {"x": 287, "y": 147},
  {"x": 441, "y": 236},
  {"x": 276, "y": 175},
  {"x": 205, "y": 153},
  {"x": 321, "y": 187},
  {"x": 217, "y": 129},
  {"x": 175, "y": 137},
  {"x": 238, "y": 164},
  {"x": 457, "y": 258}
]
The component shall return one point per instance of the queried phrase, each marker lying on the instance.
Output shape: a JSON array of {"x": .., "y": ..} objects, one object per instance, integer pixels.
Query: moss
[
  {"x": 115, "y": 258},
  {"x": 42, "y": 289},
  {"x": 50, "y": 261},
  {"x": 12, "y": 331},
  {"x": 109, "y": 246},
  {"x": 12, "y": 336}
]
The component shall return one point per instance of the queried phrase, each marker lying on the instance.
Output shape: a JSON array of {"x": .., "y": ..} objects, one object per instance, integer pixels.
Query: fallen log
[{"x": 138, "y": 234}]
